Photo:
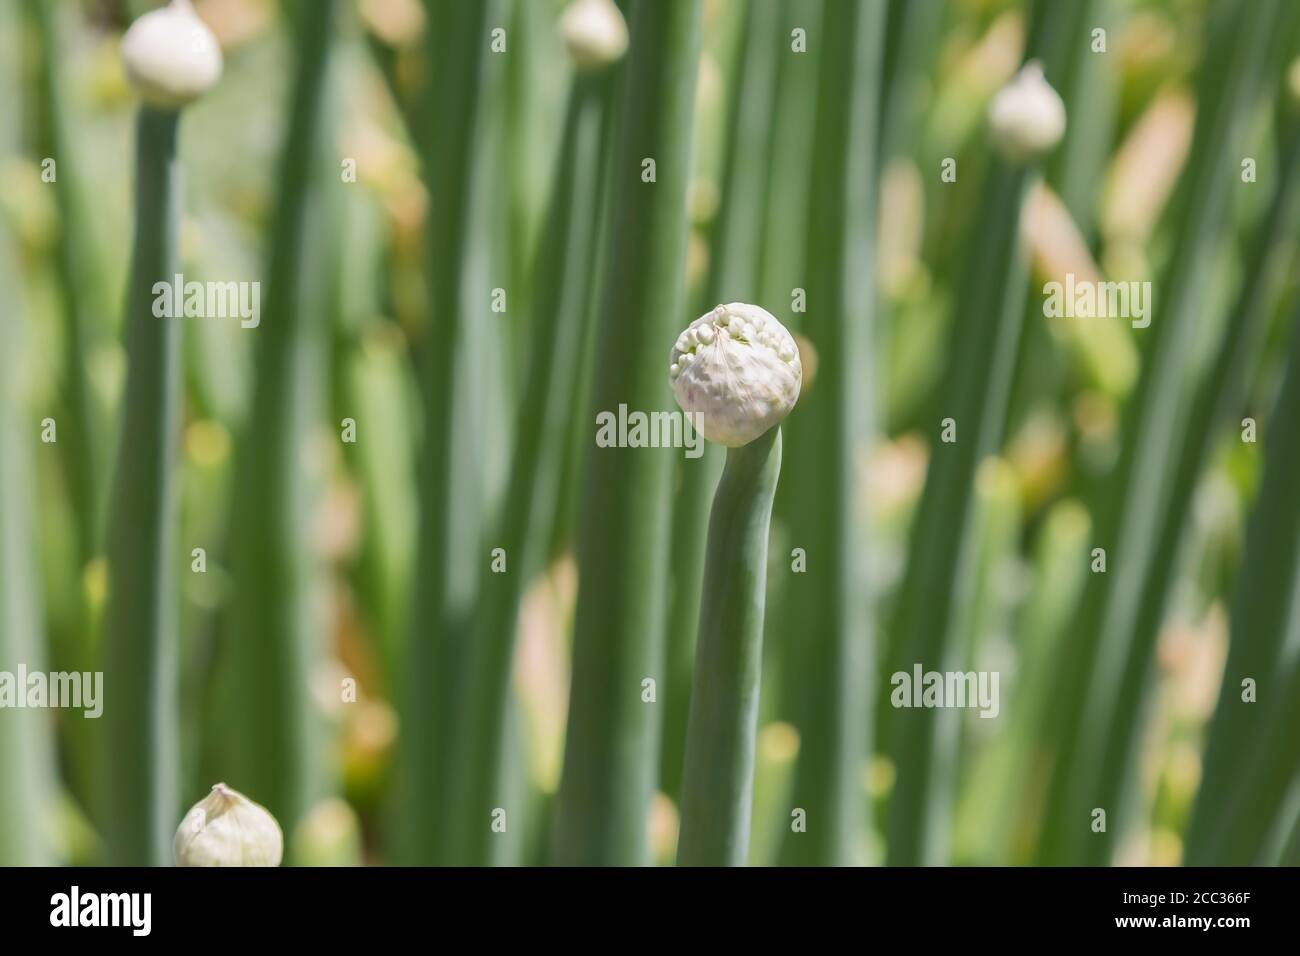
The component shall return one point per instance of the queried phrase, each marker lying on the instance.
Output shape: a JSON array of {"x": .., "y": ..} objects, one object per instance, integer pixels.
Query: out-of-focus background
[{"x": 449, "y": 237}]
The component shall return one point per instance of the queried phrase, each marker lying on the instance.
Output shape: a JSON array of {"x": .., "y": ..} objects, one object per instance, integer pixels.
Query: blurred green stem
[
  {"x": 446, "y": 578},
  {"x": 562, "y": 284},
  {"x": 1254, "y": 752},
  {"x": 141, "y": 800},
  {"x": 1107, "y": 629},
  {"x": 827, "y": 608},
  {"x": 78, "y": 438},
  {"x": 926, "y": 629},
  {"x": 277, "y": 637},
  {"x": 1117, "y": 695},
  {"x": 26, "y": 737},
  {"x": 611, "y": 750}
]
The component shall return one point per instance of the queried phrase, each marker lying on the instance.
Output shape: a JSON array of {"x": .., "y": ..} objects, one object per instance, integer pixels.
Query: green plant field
[{"x": 360, "y": 448}]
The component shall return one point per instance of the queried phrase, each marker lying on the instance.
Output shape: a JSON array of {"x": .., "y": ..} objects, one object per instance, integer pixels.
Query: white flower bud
[
  {"x": 594, "y": 33},
  {"x": 739, "y": 370},
  {"x": 171, "y": 56},
  {"x": 225, "y": 828},
  {"x": 1027, "y": 116}
]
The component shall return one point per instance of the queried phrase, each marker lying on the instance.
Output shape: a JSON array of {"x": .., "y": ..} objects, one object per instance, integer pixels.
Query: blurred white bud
[
  {"x": 171, "y": 56},
  {"x": 594, "y": 33},
  {"x": 738, "y": 367},
  {"x": 1027, "y": 116},
  {"x": 225, "y": 828}
]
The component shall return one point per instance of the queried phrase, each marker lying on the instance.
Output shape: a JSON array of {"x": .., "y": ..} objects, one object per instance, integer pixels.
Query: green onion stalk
[
  {"x": 737, "y": 371},
  {"x": 1026, "y": 120},
  {"x": 277, "y": 634},
  {"x": 1095, "y": 723},
  {"x": 733, "y": 258},
  {"x": 827, "y": 625},
  {"x": 611, "y": 747},
  {"x": 445, "y": 586},
  {"x": 26, "y": 737},
  {"x": 596, "y": 37},
  {"x": 1241, "y": 817},
  {"x": 141, "y": 718},
  {"x": 1117, "y": 698}
]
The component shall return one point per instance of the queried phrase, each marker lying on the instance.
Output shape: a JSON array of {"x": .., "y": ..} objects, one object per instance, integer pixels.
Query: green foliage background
[{"x": 461, "y": 261}]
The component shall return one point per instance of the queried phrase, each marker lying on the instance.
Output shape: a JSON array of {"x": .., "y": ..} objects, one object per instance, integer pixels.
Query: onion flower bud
[
  {"x": 225, "y": 828},
  {"x": 1027, "y": 116},
  {"x": 738, "y": 368},
  {"x": 594, "y": 33},
  {"x": 171, "y": 56}
]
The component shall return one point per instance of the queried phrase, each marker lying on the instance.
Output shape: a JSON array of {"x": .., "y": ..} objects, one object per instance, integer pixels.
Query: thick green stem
[
  {"x": 26, "y": 741},
  {"x": 1115, "y": 712},
  {"x": 611, "y": 750},
  {"x": 26, "y": 735},
  {"x": 1255, "y": 752},
  {"x": 733, "y": 274},
  {"x": 446, "y": 580},
  {"x": 718, "y": 778},
  {"x": 563, "y": 283},
  {"x": 277, "y": 637},
  {"x": 79, "y": 439},
  {"x": 1129, "y": 517},
  {"x": 927, "y": 624},
  {"x": 827, "y": 604},
  {"x": 141, "y": 716}
]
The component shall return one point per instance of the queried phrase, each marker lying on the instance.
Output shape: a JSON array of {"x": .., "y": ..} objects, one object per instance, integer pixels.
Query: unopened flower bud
[
  {"x": 225, "y": 828},
  {"x": 738, "y": 367},
  {"x": 1027, "y": 116},
  {"x": 594, "y": 33},
  {"x": 171, "y": 56}
]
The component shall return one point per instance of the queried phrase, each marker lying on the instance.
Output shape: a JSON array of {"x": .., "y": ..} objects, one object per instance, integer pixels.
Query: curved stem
[{"x": 719, "y": 772}]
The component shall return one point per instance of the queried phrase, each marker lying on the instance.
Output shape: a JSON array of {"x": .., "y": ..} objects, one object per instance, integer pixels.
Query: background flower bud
[
  {"x": 171, "y": 56},
  {"x": 594, "y": 33},
  {"x": 1027, "y": 116},
  {"x": 738, "y": 367},
  {"x": 225, "y": 828}
]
